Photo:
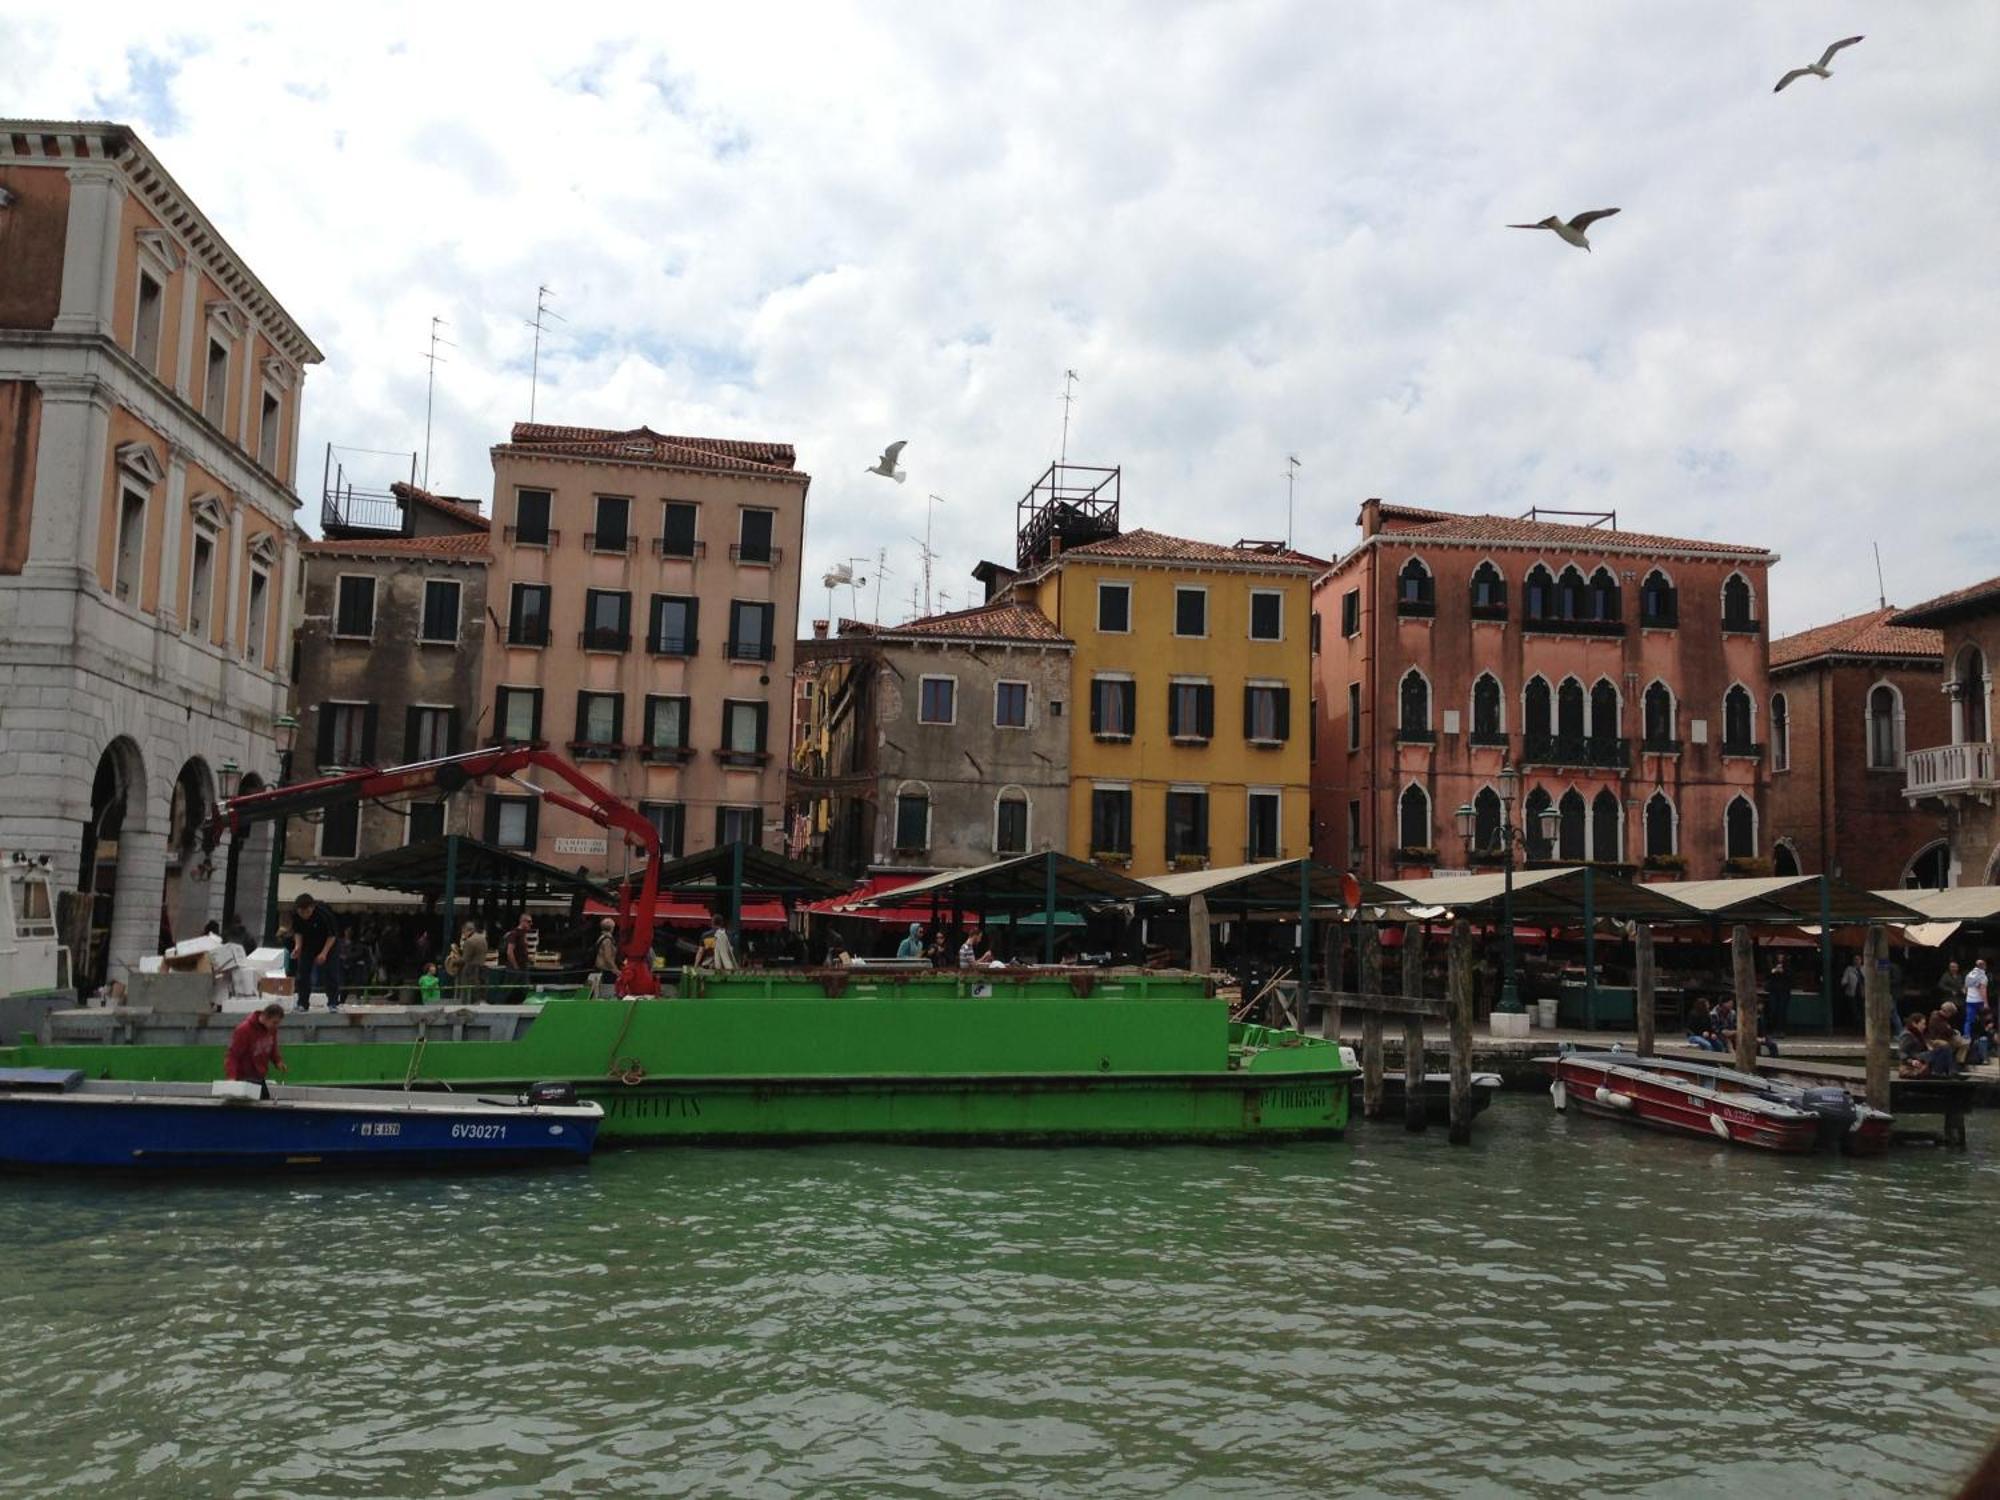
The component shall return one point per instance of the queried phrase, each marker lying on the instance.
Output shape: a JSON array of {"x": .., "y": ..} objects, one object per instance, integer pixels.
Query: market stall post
[
  {"x": 450, "y": 890},
  {"x": 1589, "y": 942},
  {"x": 1460, "y": 993},
  {"x": 1305, "y": 938},
  {"x": 1048, "y": 908},
  {"x": 1413, "y": 1027},
  {"x": 1336, "y": 960},
  {"x": 1877, "y": 1013},
  {"x": 1371, "y": 1022},
  {"x": 1826, "y": 948},
  {"x": 1645, "y": 977},
  {"x": 1743, "y": 961}
]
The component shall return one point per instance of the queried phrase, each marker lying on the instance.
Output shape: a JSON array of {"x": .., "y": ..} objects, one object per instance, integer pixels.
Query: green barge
[{"x": 764, "y": 1056}]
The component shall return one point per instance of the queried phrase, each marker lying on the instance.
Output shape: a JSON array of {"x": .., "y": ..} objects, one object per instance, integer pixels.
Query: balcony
[
  {"x": 666, "y": 755},
  {"x": 596, "y": 541},
  {"x": 755, "y": 556},
  {"x": 751, "y": 650},
  {"x": 1551, "y": 625},
  {"x": 1740, "y": 625},
  {"x": 595, "y": 750},
  {"x": 671, "y": 645},
  {"x": 1953, "y": 771},
  {"x": 674, "y": 548},
  {"x": 1742, "y": 750},
  {"x": 543, "y": 537},
  {"x": 1416, "y": 609},
  {"x": 604, "y": 640},
  {"x": 1660, "y": 745},
  {"x": 1596, "y": 752},
  {"x": 527, "y": 635}
]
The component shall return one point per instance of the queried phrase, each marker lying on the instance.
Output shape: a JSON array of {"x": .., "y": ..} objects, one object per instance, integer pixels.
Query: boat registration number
[
  {"x": 381, "y": 1127},
  {"x": 479, "y": 1132}
]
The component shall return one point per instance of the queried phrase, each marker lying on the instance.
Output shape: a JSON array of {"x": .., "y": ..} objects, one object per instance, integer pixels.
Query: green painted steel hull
[{"x": 760, "y": 1058}]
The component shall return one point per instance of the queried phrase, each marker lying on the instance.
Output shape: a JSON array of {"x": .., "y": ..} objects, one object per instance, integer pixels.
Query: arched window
[
  {"x": 1968, "y": 689},
  {"x": 1604, "y": 710},
  {"x": 1781, "y": 734},
  {"x": 1489, "y": 593},
  {"x": 1537, "y": 714},
  {"x": 1010, "y": 821},
  {"x": 1784, "y": 859},
  {"x": 1930, "y": 870},
  {"x": 1489, "y": 722},
  {"x": 1659, "y": 606},
  {"x": 1738, "y": 605},
  {"x": 1739, "y": 732},
  {"x": 1538, "y": 597},
  {"x": 1415, "y": 589},
  {"x": 1414, "y": 715},
  {"x": 1605, "y": 605},
  {"x": 1571, "y": 844},
  {"x": 1659, "y": 727},
  {"x": 1486, "y": 821},
  {"x": 1885, "y": 727},
  {"x": 1569, "y": 712},
  {"x": 1739, "y": 829},
  {"x": 1413, "y": 818},
  {"x": 1659, "y": 826},
  {"x": 1572, "y": 595},
  {"x": 1607, "y": 843},
  {"x": 1537, "y": 803}
]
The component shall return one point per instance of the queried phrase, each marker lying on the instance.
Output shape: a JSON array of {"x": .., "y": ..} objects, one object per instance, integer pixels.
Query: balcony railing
[
  {"x": 671, "y": 645},
  {"x": 600, "y": 541},
  {"x": 546, "y": 536},
  {"x": 1553, "y": 625},
  {"x": 1952, "y": 770},
  {"x": 1743, "y": 749},
  {"x": 662, "y": 547},
  {"x": 1599, "y": 752},
  {"x": 604, "y": 640},
  {"x": 756, "y": 556},
  {"x": 751, "y": 650}
]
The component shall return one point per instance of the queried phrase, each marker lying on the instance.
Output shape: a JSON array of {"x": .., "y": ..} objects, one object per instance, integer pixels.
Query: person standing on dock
[
  {"x": 1977, "y": 985},
  {"x": 912, "y": 946},
  {"x": 253, "y": 1046},
  {"x": 316, "y": 950},
  {"x": 1778, "y": 985}
]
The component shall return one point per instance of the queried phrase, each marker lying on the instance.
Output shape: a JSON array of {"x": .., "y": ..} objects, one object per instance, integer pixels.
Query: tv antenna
[
  {"x": 1881, "y": 588},
  {"x": 881, "y": 572},
  {"x": 1291, "y": 485},
  {"x": 1070, "y": 378},
  {"x": 430, "y": 388},
  {"x": 542, "y": 311},
  {"x": 929, "y": 501}
]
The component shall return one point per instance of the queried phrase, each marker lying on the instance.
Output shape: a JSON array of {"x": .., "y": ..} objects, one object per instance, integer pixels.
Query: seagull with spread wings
[
  {"x": 1819, "y": 69},
  {"x": 1572, "y": 232},
  {"x": 886, "y": 464}
]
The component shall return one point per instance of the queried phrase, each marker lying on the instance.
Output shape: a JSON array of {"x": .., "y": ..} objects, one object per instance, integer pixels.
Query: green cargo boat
[{"x": 770, "y": 1056}]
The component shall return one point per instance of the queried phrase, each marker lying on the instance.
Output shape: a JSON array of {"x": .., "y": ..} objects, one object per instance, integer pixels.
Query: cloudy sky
[{"x": 1254, "y": 230}]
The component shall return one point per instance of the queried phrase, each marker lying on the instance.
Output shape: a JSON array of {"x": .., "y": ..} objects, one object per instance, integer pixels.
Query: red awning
[
  {"x": 873, "y": 885},
  {"x": 758, "y": 916}
]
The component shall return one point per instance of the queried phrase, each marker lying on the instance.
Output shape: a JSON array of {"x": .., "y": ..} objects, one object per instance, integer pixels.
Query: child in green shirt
[{"x": 427, "y": 985}]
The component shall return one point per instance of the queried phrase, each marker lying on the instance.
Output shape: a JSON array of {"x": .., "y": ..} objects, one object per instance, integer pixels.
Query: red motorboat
[{"x": 1714, "y": 1102}]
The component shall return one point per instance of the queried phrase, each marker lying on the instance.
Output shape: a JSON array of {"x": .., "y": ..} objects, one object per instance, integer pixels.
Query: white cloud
[{"x": 1255, "y": 229}]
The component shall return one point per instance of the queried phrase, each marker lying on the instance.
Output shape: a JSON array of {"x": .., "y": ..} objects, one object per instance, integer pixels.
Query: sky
[{"x": 1255, "y": 231}]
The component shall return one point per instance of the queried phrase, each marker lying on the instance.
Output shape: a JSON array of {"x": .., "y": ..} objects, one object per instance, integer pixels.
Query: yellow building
[{"x": 1188, "y": 736}]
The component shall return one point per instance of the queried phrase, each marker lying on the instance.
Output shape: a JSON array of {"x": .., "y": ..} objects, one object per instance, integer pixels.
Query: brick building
[
  {"x": 1957, "y": 773},
  {"x": 1623, "y": 674},
  {"x": 1847, "y": 699}
]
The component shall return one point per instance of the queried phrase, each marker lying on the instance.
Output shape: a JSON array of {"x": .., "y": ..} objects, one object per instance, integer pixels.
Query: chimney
[
  {"x": 819, "y": 630},
  {"x": 1371, "y": 517}
]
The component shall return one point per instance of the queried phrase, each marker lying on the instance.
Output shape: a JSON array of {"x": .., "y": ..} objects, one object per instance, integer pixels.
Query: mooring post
[
  {"x": 1876, "y": 1013},
  {"x": 1371, "y": 1021},
  {"x": 1336, "y": 967},
  {"x": 1461, "y": 1032},
  {"x": 1644, "y": 977},
  {"x": 1413, "y": 1027},
  {"x": 1743, "y": 960}
]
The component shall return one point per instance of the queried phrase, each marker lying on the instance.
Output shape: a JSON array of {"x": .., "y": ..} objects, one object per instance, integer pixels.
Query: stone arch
[
  {"x": 189, "y": 891},
  {"x": 112, "y": 869},
  {"x": 247, "y": 874},
  {"x": 1929, "y": 869},
  {"x": 1785, "y": 858}
]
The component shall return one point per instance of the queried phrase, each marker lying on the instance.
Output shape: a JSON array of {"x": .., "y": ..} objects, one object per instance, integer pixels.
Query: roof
[
  {"x": 1961, "y": 903},
  {"x": 642, "y": 445},
  {"x": 1002, "y": 620},
  {"x": 710, "y": 872},
  {"x": 1552, "y": 895},
  {"x": 465, "y": 512},
  {"x": 1789, "y": 899},
  {"x": 464, "y": 546},
  {"x": 479, "y": 868},
  {"x": 1272, "y": 885},
  {"x": 1519, "y": 531},
  {"x": 1023, "y": 881},
  {"x": 1864, "y": 635},
  {"x": 1973, "y": 599},
  {"x": 1156, "y": 546}
]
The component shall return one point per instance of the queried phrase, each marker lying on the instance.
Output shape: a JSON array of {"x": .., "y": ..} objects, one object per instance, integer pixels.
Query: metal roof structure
[
  {"x": 472, "y": 868},
  {"x": 1025, "y": 881},
  {"x": 1556, "y": 895},
  {"x": 1962, "y": 903},
  {"x": 715, "y": 872},
  {"x": 1789, "y": 899},
  {"x": 1273, "y": 885}
]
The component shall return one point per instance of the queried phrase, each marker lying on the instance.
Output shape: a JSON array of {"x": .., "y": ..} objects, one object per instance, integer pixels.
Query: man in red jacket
[{"x": 253, "y": 1046}]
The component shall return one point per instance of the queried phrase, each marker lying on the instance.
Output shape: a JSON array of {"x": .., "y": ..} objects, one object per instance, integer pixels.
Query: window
[
  {"x": 215, "y": 383},
  {"x": 1604, "y": 710},
  {"x": 354, "y": 606},
  {"x": 1354, "y": 716},
  {"x": 1539, "y": 848},
  {"x": 429, "y": 733},
  {"x": 600, "y": 720},
  {"x": 666, "y": 725},
  {"x": 440, "y": 611},
  {"x": 607, "y": 620},
  {"x": 1187, "y": 823},
  {"x": 1413, "y": 818},
  {"x": 1313, "y": 631},
  {"x": 1739, "y": 829},
  {"x": 346, "y": 734},
  {"x": 517, "y": 715},
  {"x": 1354, "y": 844},
  {"x": 1486, "y": 821},
  {"x": 1968, "y": 688},
  {"x": 612, "y": 534},
  {"x": 424, "y": 821},
  {"x": 937, "y": 700},
  {"x": 340, "y": 831},
  {"x": 1738, "y": 609},
  {"x": 201, "y": 583},
  {"x": 1489, "y": 593},
  {"x": 1659, "y": 607},
  {"x": 1267, "y": 615},
  {"x": 267, "y": 432},
  {"x": 913, "y": 821},
  {"x": 1781, "y": 734},
  {"x": 1190, "y": 709},
  {"x": 1607, "y": 847},
  {"x": 753, "y": 543},
  {"x": 1572, "y": 595},
  {"x": 1885, "y": 727},
  {"x": 253, "y": 622},
  {"x": 1569, "y": 710},
  {"x": 671, "y": 625},
  {"x": 1738, "y": 733},
  {"x": 1010, "y": 705},
  {"x": 1265, "y": 825},
  {"x": 1190, "y": 611},
  {"x": 739, "y": 825},
  {"x": 1538, "y": 596},
  {"x": 1010, "y": 822},
  {"x": 669, "y": 820},
  {"x": 1112, "y": 705},
  {"x": 1350, "y": 613},
  {"x": 1489, "y": 721},
  {"x": 1659, "y": 711},
  {"x": 1111, "y": 820},
  {"x": 1659, "y": 827},
  {"x": 531, "y": 517},
  {"x": 528, "y": 615},
  {"x": 1570, "y": 828},
  {"x": 510, "y": 822},
  {"x": 146, "y": 324},
  {"x": 131, "y": 553},
  {"x": 1267, "y": 713},
  {"x": 750, "y": 631},
  {"x": 1605, "y": 604},
  {"x": 1114, "y": 608},
  {"x": 678, "y": 529},
  {"x": 1784, "y": 859},
  {"x": 743, "y": 726},
  {"x": 1413, "y": 707},
  {"x": 1415, "y": 589},
  {"x": 1537, "y": 709}
]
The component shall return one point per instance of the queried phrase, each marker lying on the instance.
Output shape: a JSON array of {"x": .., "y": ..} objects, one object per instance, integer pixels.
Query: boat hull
[{"x": 1659, "y": 1102}]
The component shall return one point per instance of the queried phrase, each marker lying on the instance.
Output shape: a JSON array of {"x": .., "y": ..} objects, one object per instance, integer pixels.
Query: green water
[{"x": 1568, "y": 1307}]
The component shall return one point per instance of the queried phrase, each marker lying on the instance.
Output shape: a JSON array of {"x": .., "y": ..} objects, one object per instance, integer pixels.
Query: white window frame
[
  {"x": 430, "y": 708},
  {"x": 328, "y": 707},
  {"x": 1673, "y": 709},
  {"x": 319, "y": 835},
  {"x": 904, "y": 789},
  {"x": 1124, "y": 588},
  {"x": 1131, "y": 730},
  {"x": 1485, "y": 674},
  {"x": 273, "y": 463},
  {"x": 203, "y": 534},
  {"x": 1430, "y": 815},
  {"x": 549, "y": 530},
  {"x": 929, "y": 677},
  {"x": 374, "y": 602},
  {"x": 526, "y": 690},
  {"x": 510, "y": 804},
  {"x": 135, "y": 588},
  {"x": 1186, "y": 735},
  {"x": 1780, "y": 752},
  {"x": 255, "y": 629},
  {"x": 730, "y": 706},
  {"x": 1250, "y": 796},
  {"x": 1756, "y": 828},
  {"x": 1897, "y": 747},
  {"x": 149, "y": 272},
  {"x": 1191, "y": 588},
  {"x": 1250, "y": 624},
  {"x": 209, "y": 398},
  {"x": 1014, "y": 793},
  {"x": 1276, "y": 685},
  {"x": 457, "y": 615},
  {"x": 1673, "y": 826},
  {"x": 1027, "y": 702}
]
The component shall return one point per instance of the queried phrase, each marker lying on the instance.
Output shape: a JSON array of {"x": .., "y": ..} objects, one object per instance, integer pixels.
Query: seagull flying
[
  {"x": 886, "y": 464},
  {"x": 1818, "y": 69},
  {"x": 1572, "y": 232}
]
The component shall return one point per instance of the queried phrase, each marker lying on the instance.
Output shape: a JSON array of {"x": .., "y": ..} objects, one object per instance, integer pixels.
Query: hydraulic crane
[{"x": 637, "y": 907}]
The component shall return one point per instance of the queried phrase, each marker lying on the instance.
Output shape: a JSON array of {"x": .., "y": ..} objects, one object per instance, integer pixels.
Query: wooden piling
[
  {"x": 1335, "y": 948},
  {"x": 1413, "y": 1028},
  {"x": 1743, "y": 961},
  {"x": 1461, "y": 1032},
  {"x": 1371, "y": 1023},
  {"x": 1877, "y": 1015},
  {"x": 1644, "y": 980}
]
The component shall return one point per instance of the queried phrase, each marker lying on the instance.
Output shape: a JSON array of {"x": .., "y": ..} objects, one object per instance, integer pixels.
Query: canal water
[{"x": 1568, "y": 1307}]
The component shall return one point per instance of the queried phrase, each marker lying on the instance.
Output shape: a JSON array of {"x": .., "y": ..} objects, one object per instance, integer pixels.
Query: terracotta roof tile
[
  {"x": 465, "y": 511},
  {"x": 643, "y": 445},
  {"x": 1870, "y": 634},
  {"x": 1519, "y": 531},
  {"x": 998, "y": 621},
  {"x": 468, "y": 545},
  {"x": 1974, "y": 598},
  {"x": 1154, "y": 546}
]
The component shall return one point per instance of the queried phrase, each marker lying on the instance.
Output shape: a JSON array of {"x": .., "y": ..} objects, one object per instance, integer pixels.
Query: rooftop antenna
[
  {"x": 881, "y": 572},
  {"x": 542, "y": 311},
  {"x": 1881, "y": 588},
  {"x": 929, "y": 501},
  {"x": 1070, "y": 378},
  {"x": 430, "y": 389},
  {"x": 1291, "y": 484},
  {"x": 856, "y": 584}
]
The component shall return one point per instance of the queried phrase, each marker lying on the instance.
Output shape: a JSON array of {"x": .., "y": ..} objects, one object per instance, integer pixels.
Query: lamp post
[
  {"x": 283, "y": 728},
  {"x": 229, "y": 776},
  {"x": 1509, "y": 835}
]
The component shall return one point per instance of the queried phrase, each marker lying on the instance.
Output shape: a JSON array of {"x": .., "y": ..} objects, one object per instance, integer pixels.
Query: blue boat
[{"x": 56, "y": 1118}]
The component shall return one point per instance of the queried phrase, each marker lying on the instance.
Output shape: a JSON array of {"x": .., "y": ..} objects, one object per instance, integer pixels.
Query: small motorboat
[
  {"x": 1623, "y": 1086},
  {"x": 1845, "y": 1122},
  {"x": 1437, "y": 1094},
  {"x": 56, "y": 1118}
]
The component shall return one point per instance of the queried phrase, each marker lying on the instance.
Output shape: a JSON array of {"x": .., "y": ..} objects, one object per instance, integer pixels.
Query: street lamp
[
  {"x": 1548, "y": 825},
  {"x": 283, "y": 729}
]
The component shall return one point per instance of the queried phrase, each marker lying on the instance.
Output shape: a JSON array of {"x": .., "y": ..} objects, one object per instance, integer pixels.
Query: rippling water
[{"x": 1567, "y": 1307}]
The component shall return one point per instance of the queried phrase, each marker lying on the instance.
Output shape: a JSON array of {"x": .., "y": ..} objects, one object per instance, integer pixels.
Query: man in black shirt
[{"x": 315, "y": 951}]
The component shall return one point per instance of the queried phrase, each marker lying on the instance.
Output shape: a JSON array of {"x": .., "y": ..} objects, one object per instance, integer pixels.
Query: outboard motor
[
  {"x": 1834, "y": 1106},
  {"x": 550, "y": 1093}
]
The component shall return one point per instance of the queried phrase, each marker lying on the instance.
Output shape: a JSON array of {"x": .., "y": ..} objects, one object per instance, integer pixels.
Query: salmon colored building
[
  {"x": 643, "y": 601},
  {"x": 1623, "y": 674}
]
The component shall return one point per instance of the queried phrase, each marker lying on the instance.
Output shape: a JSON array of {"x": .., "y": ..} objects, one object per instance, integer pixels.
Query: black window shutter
[
  {"x": 1249, "y": 713},
  {"x": 534, "y": 823},
  {"x": 1129, "y": 691},
  {"x": 1284, "y": 697},
  {"x": 1096, "y": 709},
  {"x": 582, "y": 716},
  {"x": 693, "y": 622},
  {"x": 368, "y": 735},
  {"x": 652, "y": 712},
  {"x": 451, "y": 731},
  {"x": 721, "y": 816},
  {"x": 324, "y": 750},
  {"x": 535, "y": 719},
  {"x": 1174, "y": 709},
  {"x": 1201, "y": 825},
  {"x": 618, "y": 720},
  {"x": 410, "y": 734},
  {"x": 763, "y": 722},
  {"x": 656, "y": 620},
  {"x": 625, "y": 615},
  {"x": 1204, "y": 710},
  {"x": 492, "y": 819},
  {"x": 770, "y": 614}
]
